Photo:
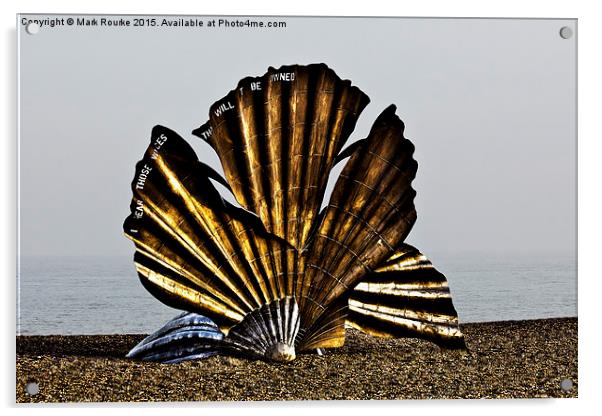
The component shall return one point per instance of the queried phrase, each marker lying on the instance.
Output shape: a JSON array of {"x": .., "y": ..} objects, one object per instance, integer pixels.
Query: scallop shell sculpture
[{"x": 277, "y": 275}]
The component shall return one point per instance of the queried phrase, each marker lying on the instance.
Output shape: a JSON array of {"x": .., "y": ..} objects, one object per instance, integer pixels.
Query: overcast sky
[{"x": 489, "y": 105}]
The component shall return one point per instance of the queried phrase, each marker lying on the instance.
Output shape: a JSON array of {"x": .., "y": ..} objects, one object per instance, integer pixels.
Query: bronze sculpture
[{"x": 277, "y": 274}]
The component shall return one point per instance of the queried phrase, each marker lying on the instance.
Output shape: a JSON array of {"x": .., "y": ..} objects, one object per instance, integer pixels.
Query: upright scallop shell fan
[{"x": 276, "y": 274}]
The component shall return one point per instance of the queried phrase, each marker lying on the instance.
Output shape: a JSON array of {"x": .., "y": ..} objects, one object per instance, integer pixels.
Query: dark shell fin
[
  {"x": 406, "y": 297},
  {"x": 195, "y": 251},
  {"x": 328, "y": 331},
  {"x": 277, "y": 137},
  {"x": 370, "y": 212}
]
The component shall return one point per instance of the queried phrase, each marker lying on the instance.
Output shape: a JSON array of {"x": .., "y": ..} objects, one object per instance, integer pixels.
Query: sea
[{"x": 102, "y": 295}]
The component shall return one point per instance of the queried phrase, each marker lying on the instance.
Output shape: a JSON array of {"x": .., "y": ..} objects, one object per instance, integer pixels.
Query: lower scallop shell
[{"x": 277, "y": 275}]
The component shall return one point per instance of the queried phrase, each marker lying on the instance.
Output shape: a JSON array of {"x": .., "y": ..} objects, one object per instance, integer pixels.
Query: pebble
[{"x": 506, "y": 359}]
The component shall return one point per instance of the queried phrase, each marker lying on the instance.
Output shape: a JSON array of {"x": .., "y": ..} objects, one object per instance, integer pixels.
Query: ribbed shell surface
[
  {"x": 277, "y": 270},
  {"x": 272, "y": 324}
]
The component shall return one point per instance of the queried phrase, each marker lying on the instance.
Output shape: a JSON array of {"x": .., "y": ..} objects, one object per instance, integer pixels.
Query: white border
[{"x": 589, "y": 154}]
